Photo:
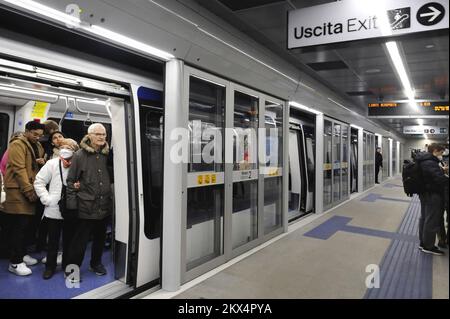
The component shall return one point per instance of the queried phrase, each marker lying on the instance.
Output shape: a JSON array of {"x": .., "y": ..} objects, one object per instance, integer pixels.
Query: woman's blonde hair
[{"x": 71, "y": 143}]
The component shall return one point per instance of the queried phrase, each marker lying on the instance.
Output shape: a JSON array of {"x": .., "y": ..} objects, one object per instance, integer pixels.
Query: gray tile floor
[{"x": 298, "y": 266}]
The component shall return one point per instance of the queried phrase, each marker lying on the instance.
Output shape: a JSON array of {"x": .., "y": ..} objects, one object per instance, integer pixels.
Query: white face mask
[{"x": 66, "y": 153}]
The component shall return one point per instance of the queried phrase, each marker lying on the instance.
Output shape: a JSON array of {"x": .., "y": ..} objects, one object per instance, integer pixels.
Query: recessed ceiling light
[
  {"x": 373, "y": 71},
  {"x": 429, "y": 46}
]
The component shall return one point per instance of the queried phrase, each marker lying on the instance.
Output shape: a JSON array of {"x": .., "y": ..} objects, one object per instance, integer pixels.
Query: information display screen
[{"x": 404, "y": 108}]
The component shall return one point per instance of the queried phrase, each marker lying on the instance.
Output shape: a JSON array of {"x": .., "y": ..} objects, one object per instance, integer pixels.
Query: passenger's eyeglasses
[{"x": 99, "y": 134}]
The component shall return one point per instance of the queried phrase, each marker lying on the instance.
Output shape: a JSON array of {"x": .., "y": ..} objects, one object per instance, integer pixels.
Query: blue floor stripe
[{"x": 405, "y": 272}]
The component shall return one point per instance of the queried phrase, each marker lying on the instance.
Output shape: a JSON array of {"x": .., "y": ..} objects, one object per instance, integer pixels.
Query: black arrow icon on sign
[{"x": 430, "y": 13}]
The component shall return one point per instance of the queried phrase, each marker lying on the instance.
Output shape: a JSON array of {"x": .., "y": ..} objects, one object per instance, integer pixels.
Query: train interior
[
  {"x": 301, "y": 163},
  {"x": 34, "y": 93}
]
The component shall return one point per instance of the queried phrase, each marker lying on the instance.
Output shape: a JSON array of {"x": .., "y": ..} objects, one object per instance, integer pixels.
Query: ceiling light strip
[
  {"x": 93, "y": 29},
  {"x": 305, "y": 108},
  {"x": 397, "y": 60}
]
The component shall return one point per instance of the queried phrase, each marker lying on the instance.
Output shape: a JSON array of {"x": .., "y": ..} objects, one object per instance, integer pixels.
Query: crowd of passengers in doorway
[{"x": 54, "y": 187}]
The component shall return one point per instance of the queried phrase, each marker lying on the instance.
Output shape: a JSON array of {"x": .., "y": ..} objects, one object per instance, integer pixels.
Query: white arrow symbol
[{"x": 435, "y": 13}]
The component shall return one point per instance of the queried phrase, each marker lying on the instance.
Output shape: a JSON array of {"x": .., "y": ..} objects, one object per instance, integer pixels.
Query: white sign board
[
  {"x": 350, "y": 20},
  {"x": 424, "y": 129}
]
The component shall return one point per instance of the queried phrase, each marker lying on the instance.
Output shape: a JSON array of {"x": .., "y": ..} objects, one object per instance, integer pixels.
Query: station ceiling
[{"x": 359, "y": 71}]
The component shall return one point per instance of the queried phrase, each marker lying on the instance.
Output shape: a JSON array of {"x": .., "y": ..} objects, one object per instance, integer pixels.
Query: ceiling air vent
[{"x": 326, "y": 66}]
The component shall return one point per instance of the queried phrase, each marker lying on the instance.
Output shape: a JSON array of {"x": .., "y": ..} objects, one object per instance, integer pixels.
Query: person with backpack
[
  {"x": 54, "y": 174},
  {"x": 431, "y": 196}
]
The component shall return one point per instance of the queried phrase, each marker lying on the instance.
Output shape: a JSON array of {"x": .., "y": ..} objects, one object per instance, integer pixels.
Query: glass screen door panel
[
  {"x": 245, "y": 169},
  {"x": 272, "y": 170},
  {"x": 327, "y": 165},
  {"x": 205, "y": 194},
  {"x": 345, "y": 161},
  {"x": 337, "y": 161},
  {"x": 385, "y": 153}
]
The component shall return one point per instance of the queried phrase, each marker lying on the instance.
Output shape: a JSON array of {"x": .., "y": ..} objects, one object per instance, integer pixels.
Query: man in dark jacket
[
  {"x": 89, "y": 191},
  {"x": 432, "y": 198},
  {"x": 378, "y": 163}
]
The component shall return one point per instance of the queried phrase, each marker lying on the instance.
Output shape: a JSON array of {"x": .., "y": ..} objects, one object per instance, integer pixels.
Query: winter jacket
[
  {"x": 21, "y": 171},
  {"x": 50, "y": 175},
  {"x": 435, "y": 181},
  {"x": 378, "y": 159},
  {"x": 94, "y": 197}
]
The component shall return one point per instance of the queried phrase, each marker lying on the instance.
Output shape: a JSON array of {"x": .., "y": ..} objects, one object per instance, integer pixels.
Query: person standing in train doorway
[
  {"x": 89, "y": 190},
  {"x": 378, "y": 163},
  {"x": 25, "y": 158}
]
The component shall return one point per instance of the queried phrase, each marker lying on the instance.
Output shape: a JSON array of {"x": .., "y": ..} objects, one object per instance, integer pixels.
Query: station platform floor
[{"x": 333, "y": 255}]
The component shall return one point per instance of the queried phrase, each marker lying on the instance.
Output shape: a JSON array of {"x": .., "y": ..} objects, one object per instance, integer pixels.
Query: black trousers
[
  {"x": 78, "y": 246},
  {"x": 430, "y": 218},
  {"x": 377, "y": 171},
  {"x": 54, "y": 227},
  {"x": 37, "y": 229},
  {"x": 69, "y": 230},
  {"x": 18, "y": 226}
]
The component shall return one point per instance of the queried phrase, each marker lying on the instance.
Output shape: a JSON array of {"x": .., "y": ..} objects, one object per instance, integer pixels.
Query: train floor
[
  {"x": 364, "y": 248},
  {"x": 35, "y": 287}
]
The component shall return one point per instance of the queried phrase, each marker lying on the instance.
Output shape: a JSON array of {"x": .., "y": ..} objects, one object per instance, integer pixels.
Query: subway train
[{"x": 176, "y": 215}]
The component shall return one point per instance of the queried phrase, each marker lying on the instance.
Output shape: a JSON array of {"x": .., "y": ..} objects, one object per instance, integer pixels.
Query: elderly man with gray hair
[{"x": 89, "y": 191}]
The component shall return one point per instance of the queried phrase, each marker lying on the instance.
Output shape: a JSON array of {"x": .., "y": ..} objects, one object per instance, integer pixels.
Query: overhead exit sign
[
  {"x": 404, "y": 109},
  {"x": 350, "y": 20}
]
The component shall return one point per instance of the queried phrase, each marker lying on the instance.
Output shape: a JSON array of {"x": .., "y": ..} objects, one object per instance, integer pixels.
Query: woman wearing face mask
[{"x": 54, "y": 174}]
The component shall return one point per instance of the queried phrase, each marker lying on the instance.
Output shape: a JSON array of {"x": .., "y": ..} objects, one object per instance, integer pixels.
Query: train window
[
  {"x": 151, "y": 115},
  {"x": 4, "y": 131}
]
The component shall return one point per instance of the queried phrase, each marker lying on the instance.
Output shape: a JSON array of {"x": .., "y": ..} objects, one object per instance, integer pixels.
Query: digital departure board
[{"x": 393, "y": 109}]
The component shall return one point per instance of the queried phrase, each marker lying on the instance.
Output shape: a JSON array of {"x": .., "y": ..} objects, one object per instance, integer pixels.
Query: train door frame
[
  {"x": 10, "y": 111},
  {"x": 61, "y": 63},
  {"x": 297, "y": 127}
]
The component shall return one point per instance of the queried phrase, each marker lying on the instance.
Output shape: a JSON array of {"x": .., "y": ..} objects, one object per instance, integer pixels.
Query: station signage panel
[
  {"x": 351, "y": 20},
  {"x": 404, "y": 109},
  {"x": 424, "y": 129}
]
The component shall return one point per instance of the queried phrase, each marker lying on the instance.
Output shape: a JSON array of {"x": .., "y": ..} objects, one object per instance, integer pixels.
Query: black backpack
[{"x": 413, "y": 182}]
